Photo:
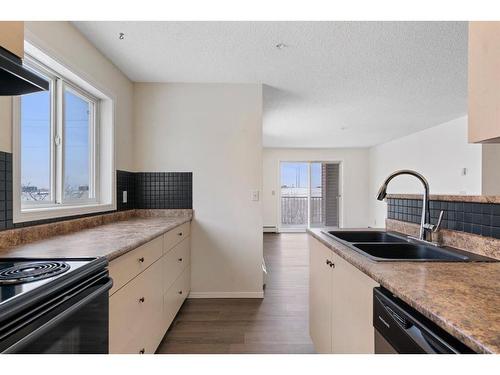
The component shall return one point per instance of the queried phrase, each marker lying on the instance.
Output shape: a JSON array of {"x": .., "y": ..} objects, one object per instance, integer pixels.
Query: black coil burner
[{"x": 27, "y": 272}]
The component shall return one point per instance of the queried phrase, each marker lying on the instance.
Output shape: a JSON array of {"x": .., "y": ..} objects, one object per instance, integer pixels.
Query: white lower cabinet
[
  {"x": 320, "y": 296},
  {"x": 175, "y": 296},
  {"x": 142, "y": 309},
  {"x": 341, "y": 303}
]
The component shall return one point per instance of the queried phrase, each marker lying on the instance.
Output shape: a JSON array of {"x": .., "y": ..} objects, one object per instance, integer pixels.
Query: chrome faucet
[{"x": 425, "y": 226}]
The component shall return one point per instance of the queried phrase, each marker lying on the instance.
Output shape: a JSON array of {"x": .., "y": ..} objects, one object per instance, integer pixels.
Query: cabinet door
[
  {"x": 174, "y": 262},
  {"x": 320, "y": 296},
  {"x": 135, "y": 314},
  {"x": 352, "y": 309},
  {"x": 484, "y": 82}
]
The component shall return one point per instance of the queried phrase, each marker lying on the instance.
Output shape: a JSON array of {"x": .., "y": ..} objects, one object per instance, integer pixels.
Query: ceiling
[{"x": 335, "y": 84}]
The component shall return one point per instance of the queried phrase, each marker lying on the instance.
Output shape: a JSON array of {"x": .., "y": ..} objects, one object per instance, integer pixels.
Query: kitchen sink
[
  {"x": 381, "y": 246},
  {"x": 365, "y": 236},
  {"x": 409, "y": 251}
]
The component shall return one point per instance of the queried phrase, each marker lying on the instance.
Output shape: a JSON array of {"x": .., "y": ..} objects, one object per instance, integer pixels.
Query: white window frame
[{"x": 101, "y": 144}]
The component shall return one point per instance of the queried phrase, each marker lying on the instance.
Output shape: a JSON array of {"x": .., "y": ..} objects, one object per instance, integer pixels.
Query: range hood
[{"x": 16, "y": 79}]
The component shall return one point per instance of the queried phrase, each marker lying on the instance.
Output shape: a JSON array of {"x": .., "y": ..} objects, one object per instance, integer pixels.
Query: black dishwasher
[{"x": 401, "y": 329}]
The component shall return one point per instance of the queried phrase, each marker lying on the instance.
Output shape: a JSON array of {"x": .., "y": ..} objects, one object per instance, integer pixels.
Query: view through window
[
  {"x": 58, "y": 148},
  {"x": 309, "y": 194}
]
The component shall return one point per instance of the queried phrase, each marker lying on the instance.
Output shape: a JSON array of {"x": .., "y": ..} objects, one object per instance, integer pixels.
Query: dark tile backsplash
[
  {"x": 144, "y": 190},
  {"x": 125, "y": 181},
  {"x": 5, "y": 191},
  {"x": 476, "y": 218},
  {"x": 164, "y": 189}
]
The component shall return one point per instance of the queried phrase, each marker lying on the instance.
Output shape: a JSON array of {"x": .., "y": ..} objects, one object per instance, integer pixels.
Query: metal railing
[{"x": 294, "y": 210}]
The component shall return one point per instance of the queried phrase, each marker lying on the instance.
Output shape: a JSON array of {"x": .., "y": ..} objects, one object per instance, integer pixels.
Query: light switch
[
  {"x": 124, "y": 198},
  {"x": 255, "y": 195}
]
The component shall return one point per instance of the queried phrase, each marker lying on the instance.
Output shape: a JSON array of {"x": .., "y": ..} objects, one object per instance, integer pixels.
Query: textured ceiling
[{"x": 336, "y": 84}]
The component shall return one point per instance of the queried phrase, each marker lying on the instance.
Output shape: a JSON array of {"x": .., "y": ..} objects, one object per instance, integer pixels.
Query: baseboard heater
[{"x": 270, "y": 229}]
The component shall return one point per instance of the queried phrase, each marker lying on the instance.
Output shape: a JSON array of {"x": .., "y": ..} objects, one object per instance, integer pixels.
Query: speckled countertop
[
  {"x": 109, "y": 240},
  {"x": 462, "y": 298}
]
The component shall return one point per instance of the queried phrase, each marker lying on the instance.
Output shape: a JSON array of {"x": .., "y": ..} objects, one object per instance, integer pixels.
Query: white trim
[
  {"x": 194, "y": 295},
  {"x": 52, "y": 212}
]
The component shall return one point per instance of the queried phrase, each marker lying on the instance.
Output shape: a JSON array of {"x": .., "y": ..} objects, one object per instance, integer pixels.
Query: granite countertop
[
  {"x": 109, "y": 240},
  {"x": 461, "y": 298}
]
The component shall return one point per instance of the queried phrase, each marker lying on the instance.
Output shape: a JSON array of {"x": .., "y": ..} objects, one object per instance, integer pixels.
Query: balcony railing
[{"x": 294, "y": 211}]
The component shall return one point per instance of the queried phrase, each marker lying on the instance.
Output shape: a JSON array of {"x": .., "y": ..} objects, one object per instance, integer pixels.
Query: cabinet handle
[
  {"x": 141, "y": 259},
  {"x": 332, "y": 264},
  {"x": 141, "y": 300},
  {"x": 180, "y": 259},
  {"x": 179, "y": 234},
  {"x": 328, "y": 263},
  {"x": 180, "y": 292},
  {"x": 142, "y": 351}
]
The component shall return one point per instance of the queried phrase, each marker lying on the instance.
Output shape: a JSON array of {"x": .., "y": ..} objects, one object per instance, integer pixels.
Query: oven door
[{"x": 73, "y": 322}]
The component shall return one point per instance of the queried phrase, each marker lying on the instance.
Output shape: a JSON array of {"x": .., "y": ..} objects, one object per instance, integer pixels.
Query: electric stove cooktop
[{"x": 23, "y": 277}]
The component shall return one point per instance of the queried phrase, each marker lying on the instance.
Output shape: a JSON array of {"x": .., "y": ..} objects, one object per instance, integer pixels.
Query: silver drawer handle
[
  {"x": 179, "y": 234},
  {"x": 142, "y": 351},
  {"x": 141, "y": 259},
  {"x": 141, "y": 300},
  {"x": 180, "y": 291}
]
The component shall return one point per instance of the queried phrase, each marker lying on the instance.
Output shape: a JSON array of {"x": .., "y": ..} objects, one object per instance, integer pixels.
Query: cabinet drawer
[
  {"x": 126, "y": 267},
  {"x": 174, "y": 236},
  {"x": 174, "y": 262},
  {"x": 175, "y": 296},
  {"x": 135, "y": 314}
]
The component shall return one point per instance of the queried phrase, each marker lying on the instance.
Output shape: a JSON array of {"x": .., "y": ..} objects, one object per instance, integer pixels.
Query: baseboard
[{"x": 226, "y": 295}]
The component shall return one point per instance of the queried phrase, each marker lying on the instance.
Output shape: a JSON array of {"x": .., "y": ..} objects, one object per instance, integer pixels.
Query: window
[
  {"x": 309, "y": 195},
  {"x": 57, "y": 153}
]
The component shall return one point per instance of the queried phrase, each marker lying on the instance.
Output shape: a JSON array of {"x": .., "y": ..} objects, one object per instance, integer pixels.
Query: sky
[
  {"x": 35, "y": 139},
  {"x": 294, "y": 174}
]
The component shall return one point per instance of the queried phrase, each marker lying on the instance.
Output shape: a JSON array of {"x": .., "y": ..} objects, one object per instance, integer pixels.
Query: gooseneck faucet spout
[{"x": 382, "y": 193}]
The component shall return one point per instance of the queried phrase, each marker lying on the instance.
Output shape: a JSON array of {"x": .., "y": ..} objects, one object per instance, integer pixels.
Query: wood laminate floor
[{"x": 276, "y": 324}]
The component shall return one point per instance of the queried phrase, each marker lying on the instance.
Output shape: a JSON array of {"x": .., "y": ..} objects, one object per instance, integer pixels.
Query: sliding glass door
[{"x": 309, "y": 195}]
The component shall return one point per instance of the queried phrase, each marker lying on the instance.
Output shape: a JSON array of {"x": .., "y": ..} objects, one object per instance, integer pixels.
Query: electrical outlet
[
  {"x": 124, "y": 197},
  {"x": 255, "y": 195}
]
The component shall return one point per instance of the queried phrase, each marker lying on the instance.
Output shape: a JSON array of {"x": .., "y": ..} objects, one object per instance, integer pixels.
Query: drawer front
[
  {"x": 135, "y": 314},
  {"x": 174, "y": 236},
  {"x": 175, "y": 296},
  {"x": 129, "y": 265},
  {"x": 174, "y": 262}
]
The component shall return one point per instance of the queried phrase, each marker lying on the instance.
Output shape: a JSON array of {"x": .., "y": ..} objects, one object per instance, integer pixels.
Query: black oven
[{"x": 67, "y": 315}]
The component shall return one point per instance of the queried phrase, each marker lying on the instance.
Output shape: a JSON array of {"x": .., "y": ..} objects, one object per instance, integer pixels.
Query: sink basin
[
  {"x": 388, "y": 247},
  {"x": 365, "y": 236},
  {"x": 408, "y": 252}
]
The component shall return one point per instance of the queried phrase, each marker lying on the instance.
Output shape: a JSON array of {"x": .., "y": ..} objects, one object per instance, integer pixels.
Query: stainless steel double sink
[{"x": 382, "y": 246}]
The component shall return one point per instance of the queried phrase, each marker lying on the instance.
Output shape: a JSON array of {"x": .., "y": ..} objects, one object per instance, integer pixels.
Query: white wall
[
  {"x": 5, "y": 124},
  {"x": 67, "y": 45},
  {"x": 439, "y": 153},
  {"x": 354, "y": 170},
  {"x": 215, "y": 131},
  {"x": 490, "y": 169}
]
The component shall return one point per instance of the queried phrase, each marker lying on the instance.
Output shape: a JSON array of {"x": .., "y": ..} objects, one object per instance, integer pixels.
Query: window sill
[{"x": 44, "y": 213}]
